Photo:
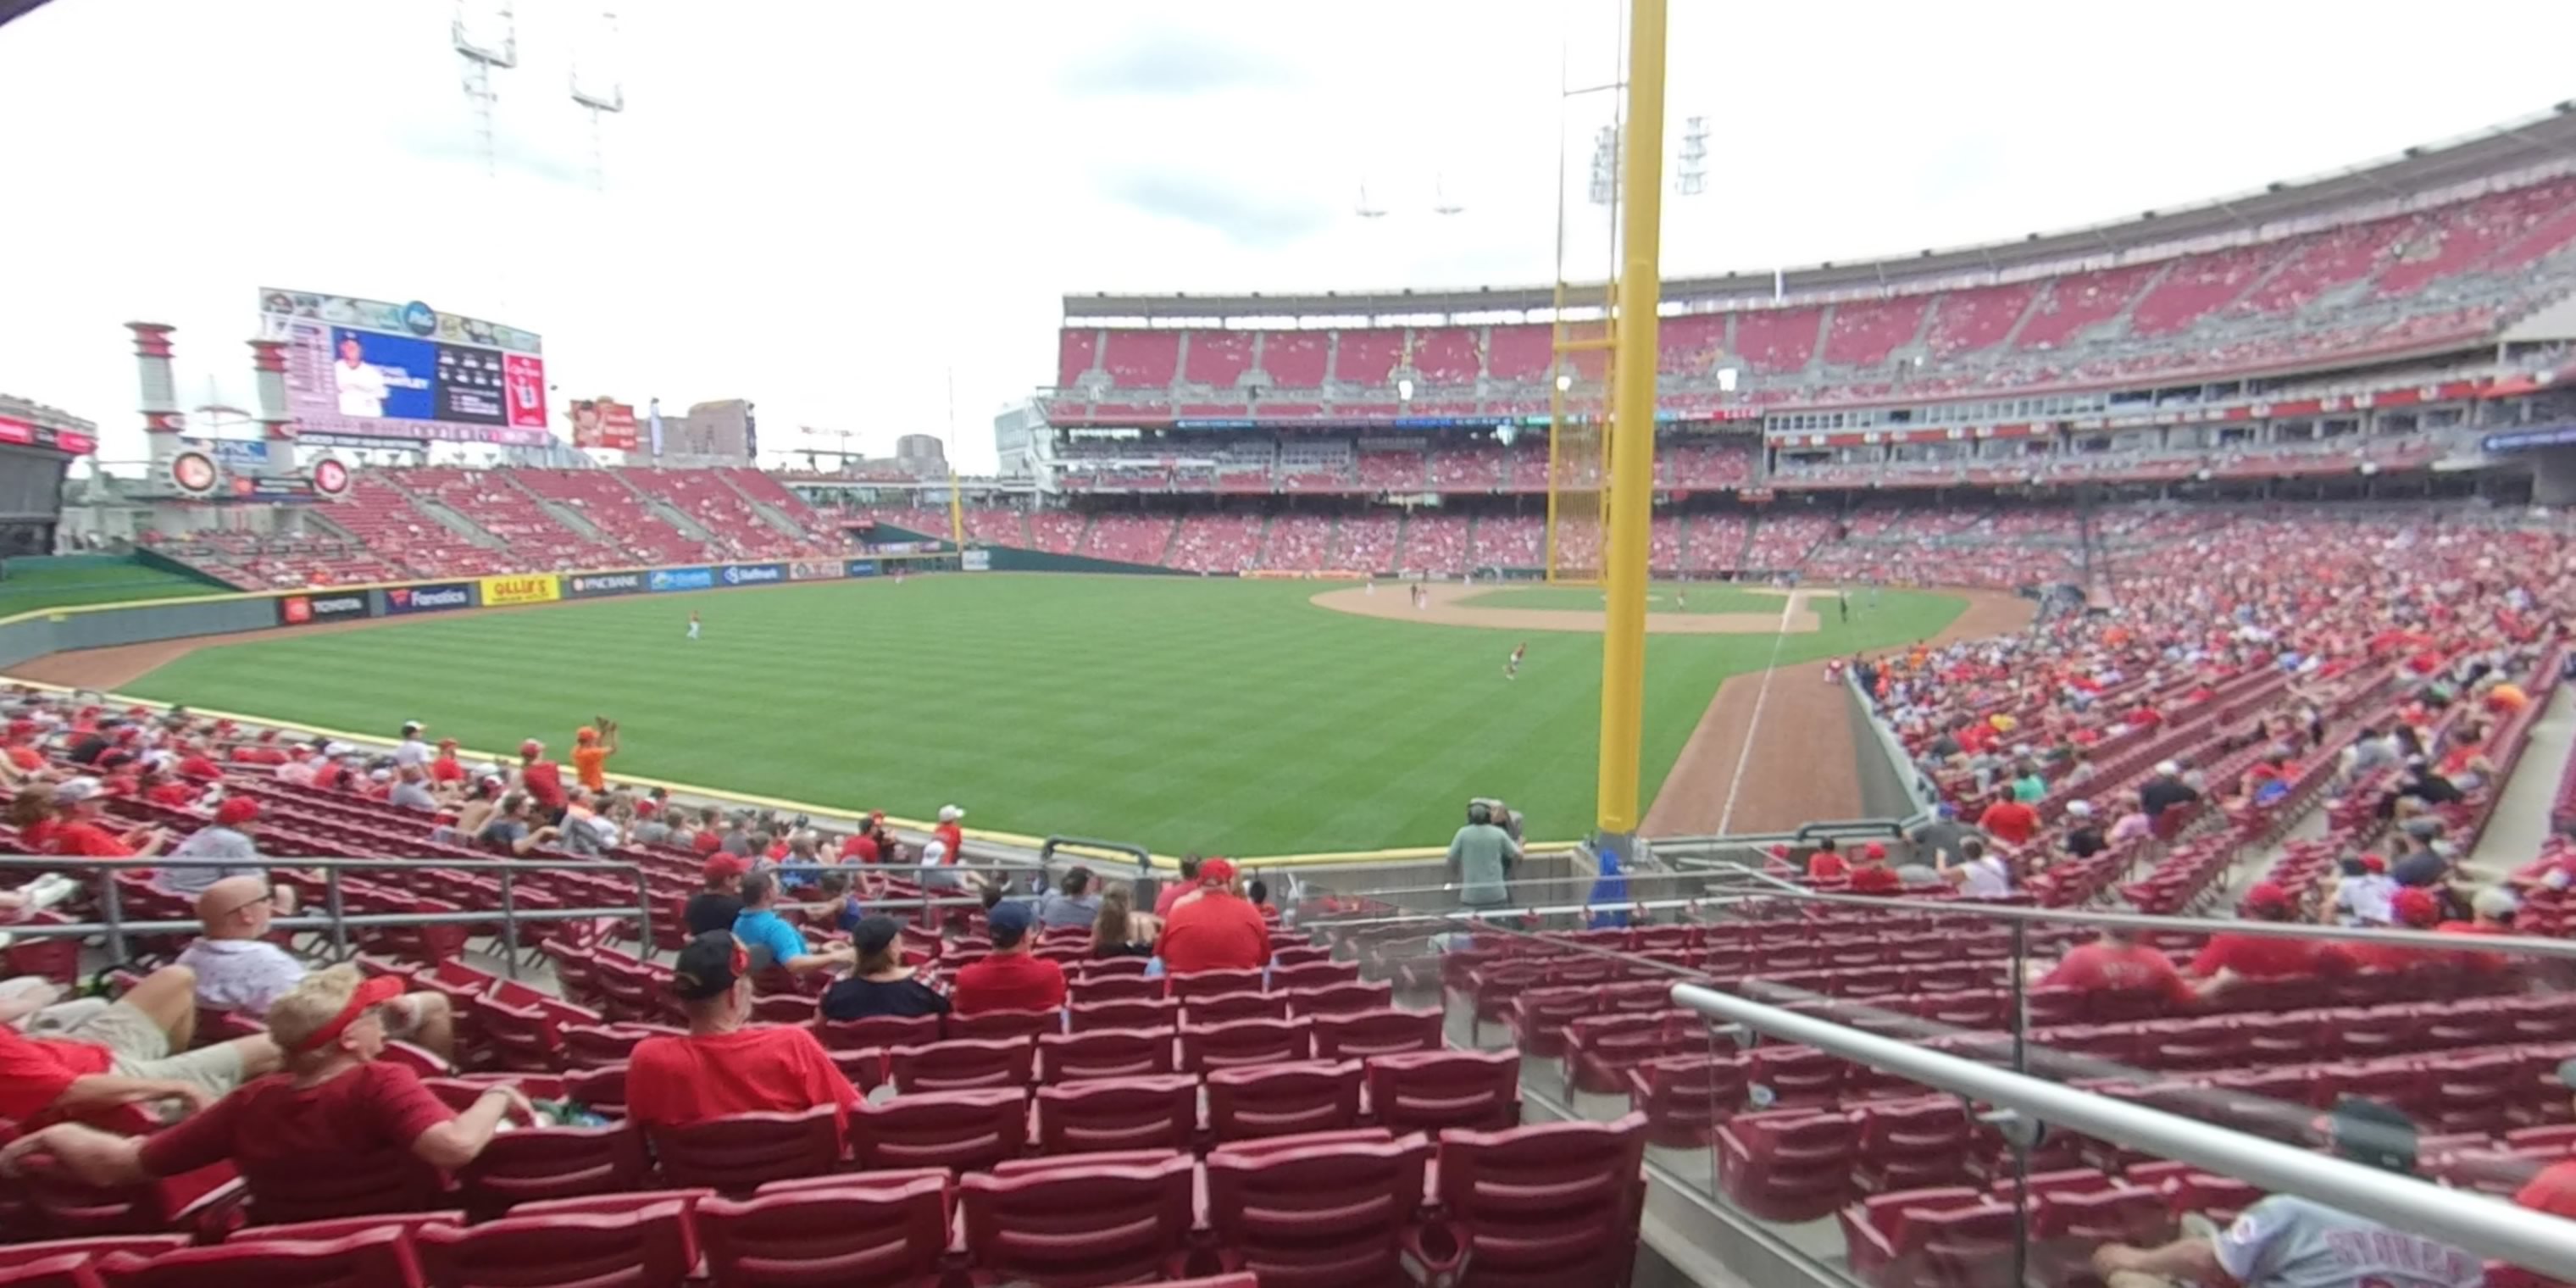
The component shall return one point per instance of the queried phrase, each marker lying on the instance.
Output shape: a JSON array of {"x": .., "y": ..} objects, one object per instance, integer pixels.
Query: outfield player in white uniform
[
  {"x": 1512, "y": 668},
  {"x": 693, "y": 626}
]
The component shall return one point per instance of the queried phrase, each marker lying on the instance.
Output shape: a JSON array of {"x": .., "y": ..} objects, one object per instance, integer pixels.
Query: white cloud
[{"x": 827, "y": 207}]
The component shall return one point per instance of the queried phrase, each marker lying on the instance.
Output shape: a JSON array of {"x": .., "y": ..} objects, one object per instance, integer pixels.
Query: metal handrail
[{"x": 2475, "y": 1223}]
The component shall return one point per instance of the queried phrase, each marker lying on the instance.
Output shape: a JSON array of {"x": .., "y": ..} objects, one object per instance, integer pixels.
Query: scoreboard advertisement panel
[{"x": 373, "y": 369}]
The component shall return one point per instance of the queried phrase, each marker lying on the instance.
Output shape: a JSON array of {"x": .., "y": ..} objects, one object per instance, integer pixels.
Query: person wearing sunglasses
[
  {"x": 335, "y": 1106},
  {"x": 238, "y": 969}
]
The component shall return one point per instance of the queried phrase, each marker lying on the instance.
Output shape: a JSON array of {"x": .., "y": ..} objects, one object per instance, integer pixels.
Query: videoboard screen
[{"x": 372, "y": 369}]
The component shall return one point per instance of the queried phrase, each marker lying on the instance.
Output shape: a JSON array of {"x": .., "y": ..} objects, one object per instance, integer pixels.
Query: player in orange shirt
[{"x": 591, "y": 749}]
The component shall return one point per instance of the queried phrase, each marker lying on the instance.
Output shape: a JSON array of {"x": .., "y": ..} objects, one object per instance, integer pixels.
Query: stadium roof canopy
[{"x": 2417, "y": 172}]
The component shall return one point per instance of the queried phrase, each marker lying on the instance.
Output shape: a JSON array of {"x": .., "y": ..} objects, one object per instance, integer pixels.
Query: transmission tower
[
  {"x": 597, "y": 88},
  {"x": 482, "y": 54}
]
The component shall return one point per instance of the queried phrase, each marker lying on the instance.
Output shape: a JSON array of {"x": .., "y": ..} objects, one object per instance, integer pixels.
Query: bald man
[{"x": 238, "y": 969}]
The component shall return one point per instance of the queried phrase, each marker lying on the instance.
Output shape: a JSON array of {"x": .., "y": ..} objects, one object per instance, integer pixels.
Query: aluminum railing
[{"x": 2475, "y": 1223}]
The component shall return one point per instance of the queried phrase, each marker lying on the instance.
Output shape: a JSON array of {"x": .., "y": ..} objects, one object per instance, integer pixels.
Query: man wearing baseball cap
[
  {"x": 592, "y": 746},
  {"x": 335, "y": 1109},
  {"x": 715, "y": 907},
  {"x": 77, "y": 807},
  {"x": 238, "y": 969},
  {"x": 2230, "y": 956},
  {"x": 1011, "y": 978},
  {"x": 2409, "y": 909},
  {"x": 542, "y": 780},
  {"x": 228, "y": 842},
  {"x": 1217, "y": 930},
  {"x": 726, "y": 1065}
]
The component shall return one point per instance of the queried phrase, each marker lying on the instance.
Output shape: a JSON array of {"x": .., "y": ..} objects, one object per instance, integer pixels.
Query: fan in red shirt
[
  {"x": 2118, "y": 963},
  {"x": 1873, "y": 876},
  {"x": 542, "y": 779},
  {"x": 2230, "y": 956},
  {"x": 1010, "y": 978},
  {"x": 2415, "y": 908},
  {"x": 1827, "y": 863},
  {"x": 2009, "y": 821},
  {"x": 724, "y": 1065},
  {"x": 77, "y": 830},
  {"x": 445, "y": 767},
  {"x": 948, "y": 836},
  {"x": 1218, "y": 929},
  {"x": 336, "y": 1108}
]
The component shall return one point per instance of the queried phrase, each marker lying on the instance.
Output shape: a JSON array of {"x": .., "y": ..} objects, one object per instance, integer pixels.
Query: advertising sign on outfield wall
[
  {"x": 975, "y": 561},
  {"x": 436, "y": 597},
  {"x": 816, "y": 570},
  {"x": 593, "y": 585},
  {"x": 522, "y": 588},
  {"x": 304, "y": 610},
  {"x": 680, "y": 579},
  {"x": 861, "y": 567},
  {"x": 753, "y": 574}
]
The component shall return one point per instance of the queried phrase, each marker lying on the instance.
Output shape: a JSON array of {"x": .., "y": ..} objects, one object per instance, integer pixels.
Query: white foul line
[{"x": 1744, "y": 756}]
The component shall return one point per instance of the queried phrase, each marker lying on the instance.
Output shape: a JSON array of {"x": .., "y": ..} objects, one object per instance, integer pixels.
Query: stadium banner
[
  {"x": 753, "y": 574},
  {"x": 603, "y": 423},
  {"x": 433, "y": 597},
  {"x": 661, "y": 579},
  {"x": 596, "y": 585},
  {"x": 816, "y": 570},
  {"x": 382, "y": 370},
  {"x": 975, "y": 561},
  {"x": 861, "y": 567},
  {"x": 305, "y": 610},
  {"x": 522, "y": 588}
]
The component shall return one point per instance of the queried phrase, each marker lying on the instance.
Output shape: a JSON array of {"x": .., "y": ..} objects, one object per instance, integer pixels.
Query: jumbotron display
[{"x": 379, "y": 370}]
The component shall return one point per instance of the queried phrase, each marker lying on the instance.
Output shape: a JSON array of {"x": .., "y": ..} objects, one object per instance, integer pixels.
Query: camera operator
[{"x": 1482, "y": 855}]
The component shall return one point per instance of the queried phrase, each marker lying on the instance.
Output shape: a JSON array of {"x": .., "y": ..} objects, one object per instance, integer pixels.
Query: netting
[{"x": 1578, "y": 461}]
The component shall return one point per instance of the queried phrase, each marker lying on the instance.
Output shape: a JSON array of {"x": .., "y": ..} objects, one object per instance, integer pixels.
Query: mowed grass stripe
[{"x": 1183, "y": 714}]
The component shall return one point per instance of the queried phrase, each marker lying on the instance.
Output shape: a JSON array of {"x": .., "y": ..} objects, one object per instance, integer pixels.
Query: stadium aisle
[{"x": 2521, "y": 822}]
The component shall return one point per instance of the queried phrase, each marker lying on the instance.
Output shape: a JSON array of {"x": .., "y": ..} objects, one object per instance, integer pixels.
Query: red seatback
[
  {"x": 1433, "y": 1090},
  {"x": 1550, "y": 1203},
  {"x": 997, "y": 1025},
  {"x": 1105, "y": 1053},
  {"x": 1282, "y": 1099},
  {"x": 878, "y": 1031},
  {"x": 58, "y": 1270},
  {"x": 1314, "y": 975},
  {"x": 1317, "y": 1216},
  {"x": 962, "y": 1064},
  {"x": 1098, "y": 987},
  {"x": 858, "y": 1232},
  {"x": 1209, "y": 983},
  {"x": 144, "y": 1245},
  {"x": 1344, "y": 998},
  {"x": 1224, "y": 1046},
  {"x": 551, "y": 1163},
  {"x": 366, "y": 1259},
  {"x": 645, "y": 1247},
  {"x": 1225, "y": 1008},
  {"x": 1159, "y": 1112},
  {"x": 1368, "y": 1034},
  {"x": 958, "y": 1130},
  {"x": 738, "y": 1152},
  {"x": 1081, "y": 1225},
  {"x": 1125, "y": 1013}
]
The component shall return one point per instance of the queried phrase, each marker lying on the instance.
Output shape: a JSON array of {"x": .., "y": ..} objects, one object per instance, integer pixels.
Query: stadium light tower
[
  {"x": 598, "y": 89},
  {"x": 482, "y": 51},
  {"x": 1691, "y": 176}
]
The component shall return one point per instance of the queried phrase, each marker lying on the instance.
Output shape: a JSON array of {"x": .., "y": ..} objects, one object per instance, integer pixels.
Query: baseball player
[
  {"x": 1512, "y": 668},
  {"x": 693, "y": 625}
]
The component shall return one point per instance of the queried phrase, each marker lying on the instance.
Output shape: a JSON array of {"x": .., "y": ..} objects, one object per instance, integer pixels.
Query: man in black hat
[{"x": 725, "y": 1066}]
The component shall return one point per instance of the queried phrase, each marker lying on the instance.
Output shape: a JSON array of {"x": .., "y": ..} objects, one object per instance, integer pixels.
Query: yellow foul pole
[{"x": 1632, "y": 423}]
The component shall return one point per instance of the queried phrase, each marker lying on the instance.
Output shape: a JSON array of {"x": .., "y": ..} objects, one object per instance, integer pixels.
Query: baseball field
[{"x": 1215, "y": 715}]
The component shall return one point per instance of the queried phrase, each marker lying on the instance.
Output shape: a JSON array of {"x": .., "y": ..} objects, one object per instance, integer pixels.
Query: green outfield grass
[
  {"x": 1179, "y": 713},
  {"x": 1663, "y": 597},
  {"x": 61, "y": 582}
]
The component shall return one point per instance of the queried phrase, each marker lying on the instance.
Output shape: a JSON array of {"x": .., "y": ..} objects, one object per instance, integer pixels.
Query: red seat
[
  {"x": 735, "y": 1154},
  {"x": 1346, "y": 998},
  {"x": 1225, "y": 1008},
  {"x": 1317, "y": 1216},
  {"x": 1314, "y": 975},
  {"x": 390, "y": 1181},
  {"x": 550, "y": 1163},
  {"x": 1130, "y": 1013},
  {"x": 957, "y": 1130},
  {"x": 597, "y": 1046},
  {"x": 1080, "y": 1225},
  {"x": 361, "y": 1260},
  {"x": 1684, "y": 1097},
  {"x": 1225, "y": 1046},
  {"x": 1550, "y": 1204},
  {"x": 1601, "y": 1049},
  {"x": 60, "y": 1270},
  {"x": 646, "y": 1247},
  {"x": 1912, "y": 1144},
  {"x": 2067, "y": 1225},
  {"x": 1111, "y": 967},
  {"x": 1796, "y": 1075},
  {"x": 962, "y": 1064},
  {"x": 601, "y": 1090},
  {"x": 1159, "y": 1112},
  {"x": 1000, "y": 1025},
  {"x": 1104, "y": 1053},
  {"x": 1792, "y": 1165},
  {"x": 1538, "y": 1018},
  {"x": 878, "y": 1031},
  {"x": 1282, "y": 1099},
  {"x": 1432, "y": 1090},
  {"x": 1942, "y": 1238},
  {"x": 1209, "y": 983},
  {"x": 144, "y": 1245},
  {"x": 886, "y": 1231},
  {"x": 1113, "y": 988},
  {"x": 1369, "y": 1034}
]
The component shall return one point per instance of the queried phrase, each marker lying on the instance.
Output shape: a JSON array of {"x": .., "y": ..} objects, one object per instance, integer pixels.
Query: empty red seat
[
  {"x": 1538, "y": 1018},
  {"x": 878, "y": 1031},
  {"x": 1081, "y": 1224},
  {"x": 1282, "y": 1099},
  {"x": 1003, "y": 1025},
  {"x": 1684, "y": 1097},
  {"x": 1314, "y": 975},
  {"x": 737, "y": 1153},
  {"x": 1553, "y": 1203},
  {"x": 1951, "y": 1237},
  {"x": 1367, "y": 1034},
  {"x": 1432, "y": 1090},
  {"x": 962, "y": 1064},
  {"x": 880, "y": 1231},
  {"x": 550, "y": 1163},
  {"x": 1129, "y": 1013},
  {"x": 1317, "y": 1215},
  {"x": 1156, "y": 1112},
  {"x": 60, "y": 1270},
  {"x": 1112, "y": 988},
  {"x": 1209, "y": 983},
  {"x": 1792, "y": 1165},
  {"x": 1913, "y": 1144},
  {"x": 1225, "y": 1008},
  {"x": 1104, "y": 1053},
  {"x": 957, "y": 1130},
  {"x": 359, "y": 1260},
  {"x": 92, "y": 1249},
  {"x": 1225, "y": 1046},
  {"x": 644, "y": 1247}
]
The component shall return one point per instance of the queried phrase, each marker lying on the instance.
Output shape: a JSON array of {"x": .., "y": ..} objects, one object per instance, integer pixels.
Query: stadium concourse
[{"x": 1361, "y": 1082}]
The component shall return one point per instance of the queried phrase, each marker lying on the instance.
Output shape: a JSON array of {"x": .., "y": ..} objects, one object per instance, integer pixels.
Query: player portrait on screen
[{"x": 361, "y": 385}]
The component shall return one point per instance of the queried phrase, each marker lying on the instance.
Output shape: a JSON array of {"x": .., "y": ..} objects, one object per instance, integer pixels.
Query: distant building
[
  {"x": 708, "y": 433},
  {"x": 921, "y": 455}
]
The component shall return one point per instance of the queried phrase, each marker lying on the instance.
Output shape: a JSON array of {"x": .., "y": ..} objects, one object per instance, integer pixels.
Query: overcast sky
[{"x": 826, "y": 207}]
